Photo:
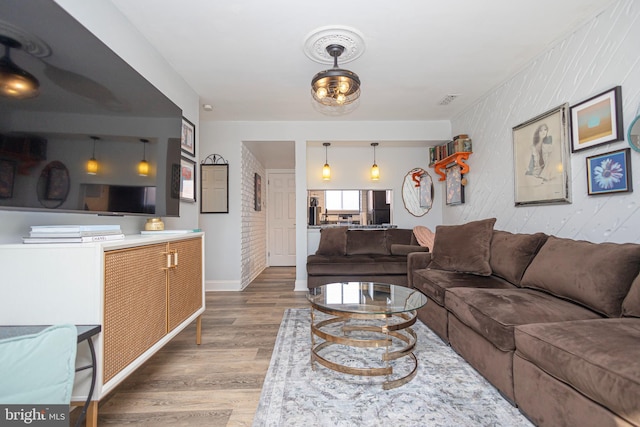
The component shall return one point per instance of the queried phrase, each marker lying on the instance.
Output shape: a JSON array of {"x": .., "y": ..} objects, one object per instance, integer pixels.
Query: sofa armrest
[
  {"x": 416, "y": 261},
  {"x": 405, "y": 250}
]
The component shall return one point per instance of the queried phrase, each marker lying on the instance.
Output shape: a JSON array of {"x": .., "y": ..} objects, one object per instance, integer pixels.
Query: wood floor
[{"x": 219, "y": 382}]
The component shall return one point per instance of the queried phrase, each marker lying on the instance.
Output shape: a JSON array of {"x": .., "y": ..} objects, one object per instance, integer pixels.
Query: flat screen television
[{"x": 90, "y": 104}]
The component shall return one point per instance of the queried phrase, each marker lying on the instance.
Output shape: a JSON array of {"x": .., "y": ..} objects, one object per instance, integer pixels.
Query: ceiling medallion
[{"x": 317, "y": 41}]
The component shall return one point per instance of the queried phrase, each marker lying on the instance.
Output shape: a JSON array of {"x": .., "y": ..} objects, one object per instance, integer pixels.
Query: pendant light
[
  {"x": 375, "y": 171},
  {"x": 326, "y": 170},
  {"x": 335, "y": 87},
  {"x": 143, "y": 166},
  {"x": 14, "y": 81},
  {"x": 92, "y": 163}
]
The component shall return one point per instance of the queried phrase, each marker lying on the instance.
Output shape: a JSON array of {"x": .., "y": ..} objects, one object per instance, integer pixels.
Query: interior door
[{"x": 281, "y": 215}]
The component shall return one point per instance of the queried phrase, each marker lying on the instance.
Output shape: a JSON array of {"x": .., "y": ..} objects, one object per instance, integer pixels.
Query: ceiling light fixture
[
  {"x": 326, "y": 170},
  {"x": 143, "y": 166},
  {"x": 14, "y": 81},
  {"x": 335, "y": 87},
  {"x": 375, "y": 171},
  {"x": 92, "y": 163}
]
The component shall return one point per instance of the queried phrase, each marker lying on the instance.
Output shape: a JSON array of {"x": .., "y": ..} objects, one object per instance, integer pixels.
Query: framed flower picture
[
  {"x": 187, "y": 180},
  {"x": 609, "y": 173}
]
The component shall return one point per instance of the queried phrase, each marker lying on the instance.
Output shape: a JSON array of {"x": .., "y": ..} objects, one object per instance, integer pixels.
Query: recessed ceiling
[{"x": 246, "y": 58}]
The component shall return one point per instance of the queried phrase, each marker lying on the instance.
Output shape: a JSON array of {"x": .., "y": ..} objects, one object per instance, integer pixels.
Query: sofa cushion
[
  {"x": 464, "y": 248},
  {"x": 365, "y": 242},
  {"x": 631, "y": 303},
  {"x": 404, "y": 250},
  {"x": 599, "y": 358},
  {"x": 511, "y": 253},
  {"x": 370, "y": 265},
  {"x": 597, "y": 275},
  {"x": 333, "y": 241},
  {"x": 399, "y": 236},
  {"x": 433, "y": 283},
  {"x": 493, "y": 313}
]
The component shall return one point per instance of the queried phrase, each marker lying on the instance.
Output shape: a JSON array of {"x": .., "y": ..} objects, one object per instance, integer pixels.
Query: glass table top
[{"x": 366, "y": 297}]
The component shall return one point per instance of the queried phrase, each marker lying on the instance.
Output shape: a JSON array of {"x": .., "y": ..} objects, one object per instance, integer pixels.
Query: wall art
[
  {"x": 187, "y": 180},
  {"x": 188, "y": 138},
  {"x": 597, "y": 121},
  {"x": 541, "y": 159},
  {"x": 609, "y": 173}
]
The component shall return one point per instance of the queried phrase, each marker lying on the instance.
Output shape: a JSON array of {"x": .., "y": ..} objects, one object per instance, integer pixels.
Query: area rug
[{"x": 445, "y": 392}]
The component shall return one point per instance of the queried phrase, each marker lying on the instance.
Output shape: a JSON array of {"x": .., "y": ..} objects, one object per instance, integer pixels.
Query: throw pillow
[
  {"x": 333, "y": 241},
  {"x": 464, "y": 248},
  {"x": 512, "y": 253},
  {"x": 596, "y": 275},
  {"x": 631, "y": 303},
  {"x": 424, "y": 236},
  {"x": 366, "y": 242}
]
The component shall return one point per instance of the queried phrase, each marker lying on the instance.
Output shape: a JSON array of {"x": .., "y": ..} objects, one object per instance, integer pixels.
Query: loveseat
[
  {"x": 552, "y": 323},
  {"x": 368, "y": 255}
]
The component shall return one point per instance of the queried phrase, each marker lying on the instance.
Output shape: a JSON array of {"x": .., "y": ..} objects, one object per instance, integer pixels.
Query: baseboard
[
  {"x": 222, "y": 285},
  {"x": 301, "y": 285}
]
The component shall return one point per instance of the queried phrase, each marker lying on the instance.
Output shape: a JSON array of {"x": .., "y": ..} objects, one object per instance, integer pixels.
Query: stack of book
[
  {"x": 460, "y": 143},
  {"x": 73, "y": 233}
]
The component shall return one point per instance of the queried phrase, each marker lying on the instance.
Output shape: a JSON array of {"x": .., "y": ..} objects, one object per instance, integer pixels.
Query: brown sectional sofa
[
  {"x": 552, "y": 323},
  {"x": 369, "y": 255}
]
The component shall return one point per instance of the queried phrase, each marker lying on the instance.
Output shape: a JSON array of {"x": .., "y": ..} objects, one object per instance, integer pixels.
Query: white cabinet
[{"x": 142, "y": 290}]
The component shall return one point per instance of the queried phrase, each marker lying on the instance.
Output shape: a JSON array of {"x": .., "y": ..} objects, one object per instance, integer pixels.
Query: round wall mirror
[
  {"x": 417, "y": 192},
  {"x": 633, "y": 135}
]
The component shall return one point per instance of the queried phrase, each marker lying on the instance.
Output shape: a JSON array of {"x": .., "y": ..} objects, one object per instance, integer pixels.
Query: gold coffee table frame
[{"x": 394, "y": 321}]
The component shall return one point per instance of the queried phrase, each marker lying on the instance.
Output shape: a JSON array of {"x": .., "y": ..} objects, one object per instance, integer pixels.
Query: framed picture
[
  {"x": 7, "y": 178},
  {"x": 454, "y": 187},
  {"x": 597, "y": 120},
  {"x": 257, "y": 191},
  {"x": 541, "y": 159},
  {"x": 214, "y": 188},
  {"x": 187, "y": 180},
  {"x": 188, "y": 138},
  {"x": 609, "y": 173}
]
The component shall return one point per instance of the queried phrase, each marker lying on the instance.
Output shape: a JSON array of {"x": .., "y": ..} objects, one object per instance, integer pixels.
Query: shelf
[{"x": 458, "y": 158}]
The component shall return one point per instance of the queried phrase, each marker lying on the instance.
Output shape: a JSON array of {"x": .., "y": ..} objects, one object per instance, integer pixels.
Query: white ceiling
[{"x": 246, "y": 59}]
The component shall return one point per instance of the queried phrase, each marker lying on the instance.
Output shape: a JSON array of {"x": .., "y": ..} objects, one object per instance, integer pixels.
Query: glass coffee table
[{"x": 369, "y": 315}]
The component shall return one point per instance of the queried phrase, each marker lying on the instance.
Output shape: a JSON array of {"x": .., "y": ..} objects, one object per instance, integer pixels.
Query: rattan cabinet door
[
  {"x": 185, "y": 281},
  {"x": 135, "y": 304}
]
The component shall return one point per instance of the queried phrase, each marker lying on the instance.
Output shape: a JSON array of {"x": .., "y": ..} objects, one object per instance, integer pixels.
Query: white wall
[
  {"x": 225, "y": 138},
  {"x": 602, "y": 54},
  {"x": 103, "y": 19}
]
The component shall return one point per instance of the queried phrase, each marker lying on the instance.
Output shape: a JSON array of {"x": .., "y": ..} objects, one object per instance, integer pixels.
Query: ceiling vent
[{"x": 448, "y": 99}]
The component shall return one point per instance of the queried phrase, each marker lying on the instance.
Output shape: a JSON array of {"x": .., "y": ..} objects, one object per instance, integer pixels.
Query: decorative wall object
[
  {"x": 633, "y": 135},
  {"x": 188, "y": 139},
  {"x": 454, "y": 187},
  {"x": 7, "y": 178},
  {"x": 187, "y": 180},
  {"x": 426, "y": 191},
  {"x": 609, "y": 173},
  {"x": 598, "y": 120},
  {"x": 257, "y": 190},
  {"x": 214, "y": 185},
  {"x": 411, "y": 192},
  {"x": 541, "y": 159}
]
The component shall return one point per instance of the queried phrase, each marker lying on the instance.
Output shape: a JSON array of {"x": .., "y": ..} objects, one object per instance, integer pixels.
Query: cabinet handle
[
  {"x": 168, "y": 260},
  {"x": 175, "y": 258}
]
